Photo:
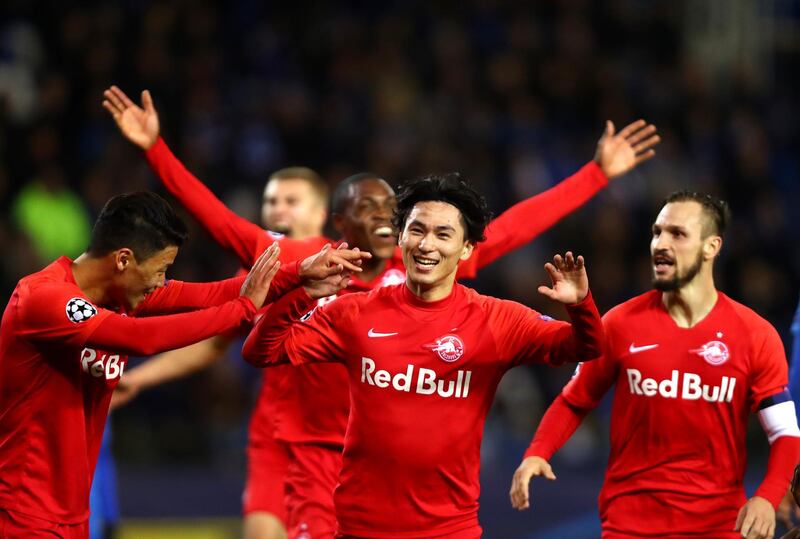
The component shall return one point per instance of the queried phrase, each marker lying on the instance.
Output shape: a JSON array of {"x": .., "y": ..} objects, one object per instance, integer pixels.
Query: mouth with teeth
[
  {"x": 424, "y": 263},
  {"x": 662, "y": 263},
  {"x": 384, "y": 234}
]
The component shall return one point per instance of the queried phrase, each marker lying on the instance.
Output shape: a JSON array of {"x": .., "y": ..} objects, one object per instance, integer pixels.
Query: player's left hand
[
  {"x": 570, "y": 282},
  {"x": 618, "y": 153},
  {"x": 531, "y": 467},
  {"x": 756, "y": 519}
]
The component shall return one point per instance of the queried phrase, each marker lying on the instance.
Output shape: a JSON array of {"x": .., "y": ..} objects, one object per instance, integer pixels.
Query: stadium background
[{"x": 511, "y": 94}]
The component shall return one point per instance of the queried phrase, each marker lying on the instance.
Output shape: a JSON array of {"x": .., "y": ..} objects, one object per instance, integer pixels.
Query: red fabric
[
  {"x": 438, "y": 364},
  {"x": 784, "y": 455},
  {"x": 21, "y": 526},
  {"x": 56, "y": 379},
  {"x": 557, "y": 425},
  {"x": 296, "y": 413},
  {"x": 668, "y": 441},
  {"x": 312, "y": 474},
  {"x": 265, "y": 484}
]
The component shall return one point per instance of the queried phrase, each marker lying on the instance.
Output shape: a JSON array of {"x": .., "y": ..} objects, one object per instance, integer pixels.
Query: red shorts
[
  {"x": 15, "y": 525},
  {"x": 265, "y": 485},
  {"x": 312, "y": 475}
]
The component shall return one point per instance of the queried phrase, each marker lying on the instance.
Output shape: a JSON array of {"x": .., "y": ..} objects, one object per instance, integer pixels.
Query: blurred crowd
[{"x": 513, "y": 95}]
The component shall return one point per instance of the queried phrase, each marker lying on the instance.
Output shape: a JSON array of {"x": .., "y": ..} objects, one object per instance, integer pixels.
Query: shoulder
[
  {"x": 753, "y": 324},
  {"x": 498, "y": 307},
  {"x": 641, "y": 305}
]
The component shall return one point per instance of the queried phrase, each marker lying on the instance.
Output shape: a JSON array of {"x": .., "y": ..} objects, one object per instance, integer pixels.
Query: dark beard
[{"x": 679, "y": 281}]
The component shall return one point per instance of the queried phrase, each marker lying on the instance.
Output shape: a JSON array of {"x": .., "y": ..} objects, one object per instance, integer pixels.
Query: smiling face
[
  {"x": 681, "y": 246},
  {"x": 137, "y": 279},
  {"x": 292, "y": 207},
  {"x": 433, "y": 242},
  {"x": 366, "y": 220}
]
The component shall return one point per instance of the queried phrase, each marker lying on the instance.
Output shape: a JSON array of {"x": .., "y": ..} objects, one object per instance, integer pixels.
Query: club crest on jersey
[
  {"x": 393, "y": 277},
  {"x": 80, "y": 310},
  {"x": 714, "y": 352},
  {"x": 449, "y": 348}
]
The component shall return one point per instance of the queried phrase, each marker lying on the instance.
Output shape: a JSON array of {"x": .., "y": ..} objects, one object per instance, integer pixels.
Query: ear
[
  {"x": 712, "y": 247},
  {"x": 123, "y": 258},
  {"x": 466, "y": 251}
]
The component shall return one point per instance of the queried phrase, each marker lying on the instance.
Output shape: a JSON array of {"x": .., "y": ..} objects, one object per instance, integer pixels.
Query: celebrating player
[
  {"x": 294, "y": 203},
  {"x": 64, "y": 340},
  {"x": 689, "y": 363},
  {"x": 423, "y": 360},
  {"x": 361, "y": 207}
]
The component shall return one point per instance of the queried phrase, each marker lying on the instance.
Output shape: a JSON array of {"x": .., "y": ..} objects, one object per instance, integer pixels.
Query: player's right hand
[
  {"x": 138, "y": 124},
  {"x": 530, "y": 467},
  {"x": 327, "y": 272},
  {"x": 256, "y": 284}
]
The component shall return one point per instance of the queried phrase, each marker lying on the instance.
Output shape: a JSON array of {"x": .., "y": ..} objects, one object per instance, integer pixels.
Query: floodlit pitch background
[{"x": 511, "y": 94}]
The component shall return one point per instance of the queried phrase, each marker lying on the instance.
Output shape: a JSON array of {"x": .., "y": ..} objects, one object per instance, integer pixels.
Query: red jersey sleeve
[
  {"x": 769, "y": 371},
  {"x": 177, "y": 296},
  {"x": 56, "y": 314},
  {"x": 229, "y": 230},
  {"x": 524, "y": 221},
  {"x": 525, "y": 336},
  {"x": 293, "y": 330}
]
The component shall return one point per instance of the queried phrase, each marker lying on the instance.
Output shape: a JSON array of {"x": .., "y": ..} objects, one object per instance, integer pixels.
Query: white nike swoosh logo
[
  {"x": 636, "y": 349},
  {"x": 373, "y": 333}
]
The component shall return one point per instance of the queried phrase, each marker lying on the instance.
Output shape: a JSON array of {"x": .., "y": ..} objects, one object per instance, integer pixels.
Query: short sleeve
[
  {"x": 54, "y": 312},
  {"x": 769, "y": 370}
]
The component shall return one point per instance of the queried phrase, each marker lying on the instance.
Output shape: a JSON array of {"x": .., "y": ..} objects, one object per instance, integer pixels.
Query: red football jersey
[
  {"x": 422, "y": 377},
  {"x": 679, "y": 415},
  {"x": 60, "y": 359},
  {"x": 296, "y": 413}
]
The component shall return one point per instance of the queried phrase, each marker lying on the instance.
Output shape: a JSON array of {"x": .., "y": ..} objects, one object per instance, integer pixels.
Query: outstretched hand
[
  {"x": 570, "y": 282},
  {"x": 618, "y": 153},
  {"x": 138, "y": 124},
  {"x": 256, "y": 284},
  {"x": 530, "y": 467},
  {"x": 329, "y": 271},
  {"x": 756, "y": 519}
]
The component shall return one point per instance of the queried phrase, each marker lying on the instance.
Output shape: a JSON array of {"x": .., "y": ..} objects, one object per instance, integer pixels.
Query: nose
[{"x": 427, "y": 243}]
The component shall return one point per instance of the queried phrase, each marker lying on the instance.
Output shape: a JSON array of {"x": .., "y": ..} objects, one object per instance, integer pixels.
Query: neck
[
  {"x": 90, "y": 274},
  {"x": 432, "y": 292},
  {"x": 372, "y": 268},
  {"x": 689, "y": 305}
]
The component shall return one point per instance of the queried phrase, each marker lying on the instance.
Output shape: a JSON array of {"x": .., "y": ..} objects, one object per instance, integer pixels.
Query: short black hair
[
  {"x": 449, "y": 188},
  {"x": 142, "y": 221},
  {"x": 716, "y": 209},
  {"x": 341, "y": 194}
]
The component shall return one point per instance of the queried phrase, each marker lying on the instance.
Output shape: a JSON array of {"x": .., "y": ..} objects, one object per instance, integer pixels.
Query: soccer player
[
  {"x": 64, "y": 340},
  {"x": 361, "y": 207},
  {"x": 294, "y": 204},
  {"x": 689, "y": 364},
  {"x": 423, "y": 359}
]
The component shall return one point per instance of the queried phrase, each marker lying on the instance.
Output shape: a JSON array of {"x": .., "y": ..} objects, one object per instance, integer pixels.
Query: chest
[
  {"x": 100, "y": 367},
  {"x": 708, "y": 363}
]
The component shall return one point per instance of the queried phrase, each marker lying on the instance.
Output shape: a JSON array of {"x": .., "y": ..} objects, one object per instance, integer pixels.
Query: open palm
[
  {"x": 570, "y": 282},
  {"x": 618, "y": 153},
  {"x": 138, "y": 124}
]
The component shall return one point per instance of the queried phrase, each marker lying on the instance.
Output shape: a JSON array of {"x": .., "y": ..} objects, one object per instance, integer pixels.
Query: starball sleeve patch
[{"x": 80, "y": 310}]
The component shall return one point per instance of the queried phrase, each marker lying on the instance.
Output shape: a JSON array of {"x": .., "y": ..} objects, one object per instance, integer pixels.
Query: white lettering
[
  {"x": 87, "y": 356},
  {"x": 427, "y": 382},
  {"x": 113, "y": 368},
  {"x": 690, "y": 386}
]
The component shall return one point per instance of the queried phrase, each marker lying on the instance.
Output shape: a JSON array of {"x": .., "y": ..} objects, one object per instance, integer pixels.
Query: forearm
[
  {"x": 178, "y": 363},
  {"x": 784, "y": 455},
  {"x": 151, "y": 335},
  {"x": 180, "y": 296},
  {"x": 269, "y": 340},
  {"x": 229, "y": 230},
  {"x": 558, "y": 424},
  {"x": 588, "y": 336},
  {"x": 524, "y": 221}
]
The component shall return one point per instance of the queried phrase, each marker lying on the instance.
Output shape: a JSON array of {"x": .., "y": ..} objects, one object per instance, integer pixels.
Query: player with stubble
[
  {"x": 423, "y": 359},
  {"x": 689, "y": 364}
]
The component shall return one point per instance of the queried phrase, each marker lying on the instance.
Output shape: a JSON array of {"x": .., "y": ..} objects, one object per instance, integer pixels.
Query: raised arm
[
  {"x": 140, "y": 125},
  {"x": 616, "y": 154}
]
